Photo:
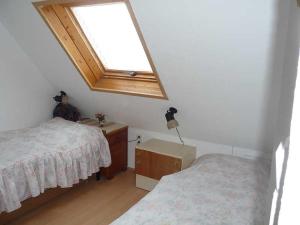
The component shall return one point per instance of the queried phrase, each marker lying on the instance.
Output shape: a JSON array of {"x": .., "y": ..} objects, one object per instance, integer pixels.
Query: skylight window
[
  {"x": 112, "y": 34},
  {"x": 103, "y": 40}
]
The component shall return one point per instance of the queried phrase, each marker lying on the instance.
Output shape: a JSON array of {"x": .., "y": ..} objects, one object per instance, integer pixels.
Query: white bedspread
[
  {"x": 216, "y": 190},
  {"x": 56, "y": 153}
]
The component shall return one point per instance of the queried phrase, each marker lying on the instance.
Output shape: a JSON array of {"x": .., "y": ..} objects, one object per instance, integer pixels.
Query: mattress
[
  {"x": 57, "y": 153},
  {"x": 216, "y": 190}
]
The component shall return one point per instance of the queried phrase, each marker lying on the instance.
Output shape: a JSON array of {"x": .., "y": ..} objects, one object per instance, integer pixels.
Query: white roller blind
[{"x": 289, "y": 211}]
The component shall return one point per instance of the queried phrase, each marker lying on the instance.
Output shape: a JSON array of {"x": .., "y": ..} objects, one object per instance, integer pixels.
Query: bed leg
[{"x": 98, "y": 176}]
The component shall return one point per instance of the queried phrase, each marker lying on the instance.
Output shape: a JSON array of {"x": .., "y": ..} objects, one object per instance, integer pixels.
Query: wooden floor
[{"x": 92, "y": 203}]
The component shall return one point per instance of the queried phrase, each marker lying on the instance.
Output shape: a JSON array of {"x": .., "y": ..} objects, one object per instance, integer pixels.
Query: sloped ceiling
[{"x": 213, "y": 58}]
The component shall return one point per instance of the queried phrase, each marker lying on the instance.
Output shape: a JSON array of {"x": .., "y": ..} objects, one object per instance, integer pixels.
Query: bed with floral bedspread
[
  {"x": 216, "y": 190},
  {"x": 55, "y": 153}
]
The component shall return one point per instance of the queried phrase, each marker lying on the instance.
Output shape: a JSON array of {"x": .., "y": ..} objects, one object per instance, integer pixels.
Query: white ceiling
[{"x": 213, "y": 57}]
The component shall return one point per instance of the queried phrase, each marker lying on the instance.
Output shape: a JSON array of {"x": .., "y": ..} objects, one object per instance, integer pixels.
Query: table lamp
[{"x": 172, "y": 122}]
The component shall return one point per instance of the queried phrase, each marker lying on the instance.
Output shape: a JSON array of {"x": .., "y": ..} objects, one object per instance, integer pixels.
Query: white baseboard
[
  {"x": 251, "y": 154},
  {"x": 203, "y": 147}
]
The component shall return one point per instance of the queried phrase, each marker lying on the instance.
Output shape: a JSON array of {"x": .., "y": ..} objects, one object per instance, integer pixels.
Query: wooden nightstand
[
  {"x": 156, "y": 158},
  {"x": 117, "y": 137}
]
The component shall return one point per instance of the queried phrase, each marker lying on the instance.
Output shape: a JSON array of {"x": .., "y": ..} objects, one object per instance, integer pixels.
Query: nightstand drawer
[
  {"x": 117, "y": 147},
  {"x": 117, "y": 141},
  {"x": 157, "y": 158},
  {"x": 117, "y": 137},
  {"x": 155, "y": 165},
  {"x": 118, "y": 159}
]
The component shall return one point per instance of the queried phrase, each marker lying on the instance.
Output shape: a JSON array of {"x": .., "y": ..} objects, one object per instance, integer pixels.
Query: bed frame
[{"x": 34, "y": 203}]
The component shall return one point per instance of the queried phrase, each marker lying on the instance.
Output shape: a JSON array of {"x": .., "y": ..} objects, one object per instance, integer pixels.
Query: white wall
[
  {"x": 289, "y": 75},
  {"x": 213, "y": 57},
  {"x": 25, "y": 95}
]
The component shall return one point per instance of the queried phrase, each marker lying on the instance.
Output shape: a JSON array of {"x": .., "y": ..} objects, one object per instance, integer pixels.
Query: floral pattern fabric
[
  {"x": 55, "y": 153},
  {"x": 216, "y": 190}
]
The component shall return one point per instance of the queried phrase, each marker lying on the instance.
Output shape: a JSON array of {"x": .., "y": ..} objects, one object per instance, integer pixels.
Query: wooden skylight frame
[{"x": 64, "y": 25}]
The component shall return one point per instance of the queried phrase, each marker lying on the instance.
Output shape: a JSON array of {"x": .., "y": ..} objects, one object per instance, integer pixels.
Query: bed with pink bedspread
[
  {"x": 216, "y": 190},
  {"x": 57, "y": 153}
]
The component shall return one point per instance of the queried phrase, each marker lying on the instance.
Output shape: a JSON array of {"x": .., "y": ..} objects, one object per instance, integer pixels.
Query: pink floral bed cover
[
  {"x": 216, "y": 190},
  {"x": 55, "y": 153}
]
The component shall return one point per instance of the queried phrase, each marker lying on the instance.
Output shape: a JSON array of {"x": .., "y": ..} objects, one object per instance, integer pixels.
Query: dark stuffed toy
[{"x": 64, "y": 109}]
